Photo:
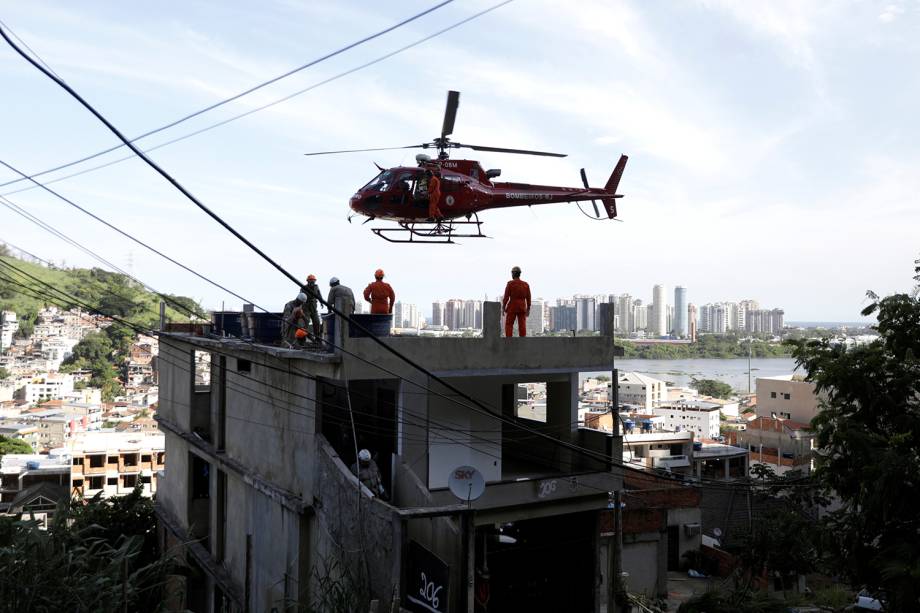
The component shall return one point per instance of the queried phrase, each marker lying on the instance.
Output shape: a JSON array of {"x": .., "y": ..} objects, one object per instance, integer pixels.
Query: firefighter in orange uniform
[
  {"x": 516, "y": 303},
  {"x": 380, "y": 295},
  {"x": 434, "y": 196}
]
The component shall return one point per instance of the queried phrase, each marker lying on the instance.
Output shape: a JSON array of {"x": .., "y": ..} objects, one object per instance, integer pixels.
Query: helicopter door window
[{"x": 449, "y": 184}]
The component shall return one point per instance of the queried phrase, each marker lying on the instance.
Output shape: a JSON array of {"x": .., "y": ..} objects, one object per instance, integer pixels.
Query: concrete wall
[
  {"x": 480, "y": 446},
  {"x": 174, "y": 487},
  {"x": 175, "y": 382},
  {"x": 680, "y": 518},
  {"x": 643, "y": 556}
]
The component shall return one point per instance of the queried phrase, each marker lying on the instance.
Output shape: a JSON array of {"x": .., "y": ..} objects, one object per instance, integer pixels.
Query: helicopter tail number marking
[{"x": 610, "y": 203}]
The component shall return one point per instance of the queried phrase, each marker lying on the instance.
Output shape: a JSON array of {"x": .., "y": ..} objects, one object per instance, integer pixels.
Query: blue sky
[{"x": 772, "y": 144}]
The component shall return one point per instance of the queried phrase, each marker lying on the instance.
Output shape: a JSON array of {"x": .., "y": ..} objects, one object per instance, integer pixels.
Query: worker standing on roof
[
  {"x": 340, "y": 298},
  {"x": 516, "y": 303},
  {"x": 380, "y": 295},
  {"x": 434, "y": 196},
  {"x": 293, "y": 321},
  {"x": 313, "y": 297}
]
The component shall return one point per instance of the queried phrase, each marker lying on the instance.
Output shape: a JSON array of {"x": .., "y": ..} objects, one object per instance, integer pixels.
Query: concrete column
[
  {"x": 606, "y": 324},
  {"x": 727, "y": 463},
  {"x": 562, "y": 415},
  {"x": 491, "y": 321}
]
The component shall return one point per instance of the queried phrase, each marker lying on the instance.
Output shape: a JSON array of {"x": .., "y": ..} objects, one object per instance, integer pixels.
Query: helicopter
[{"x": 400, "y": 194}]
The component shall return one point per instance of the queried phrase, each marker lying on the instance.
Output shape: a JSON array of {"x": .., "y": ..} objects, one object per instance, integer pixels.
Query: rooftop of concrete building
[
  {"x": 467, "y": 356},
  {"x": 715, "y": 449},
  {"x": 7, "y": 425},
  {"x": 15, "y": 463},
  {"x": 90, "y": 442},
  {"x": 693, "y": 405},
  {"x": 773, "y": 423}
]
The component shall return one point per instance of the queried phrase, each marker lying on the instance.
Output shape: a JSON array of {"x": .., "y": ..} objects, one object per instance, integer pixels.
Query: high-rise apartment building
[
  {"x": 640, "y": 317},
  {"x": 437, "y": 313},
  {"x": 680, "y": 327},
  {"x": 585, "y": 313},
  {"x": 453, "y": 314},
  {"x": 627, "y": 318},
  {"x": 691, "y": 322},
  {"x": 658, "y": 324},
  {"x": 405, "y": 315},
  {"x": 536, "y": 324}
]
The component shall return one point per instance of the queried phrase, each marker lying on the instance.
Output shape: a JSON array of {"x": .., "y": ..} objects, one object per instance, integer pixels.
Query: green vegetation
[
  {"x": 97, "y": 556},
  {"x": 14, "y": 445},
  {"x": 869, "y": 434},
  {"x": 4, "y": 373},
  {"x": 712, "y": 387},
  {"x": 708, "y": 346},
  {"x": 112, "y": 293},
  {"x": 102, "y": 353}
]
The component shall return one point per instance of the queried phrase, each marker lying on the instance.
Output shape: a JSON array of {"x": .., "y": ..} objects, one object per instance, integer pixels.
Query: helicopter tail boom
[{"x": 610, "y": 203}]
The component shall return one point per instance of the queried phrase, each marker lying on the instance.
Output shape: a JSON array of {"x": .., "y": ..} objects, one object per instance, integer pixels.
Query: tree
[
  {"x": 712, "y": 387},
  {"x": 868, "y": 434},
  {"x": 4, "y": 373},
  {"x": 14, "y": 445}
]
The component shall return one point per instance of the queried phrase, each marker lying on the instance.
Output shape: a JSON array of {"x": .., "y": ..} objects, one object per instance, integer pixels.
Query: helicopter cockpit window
[{"x": 381, "y": 182}]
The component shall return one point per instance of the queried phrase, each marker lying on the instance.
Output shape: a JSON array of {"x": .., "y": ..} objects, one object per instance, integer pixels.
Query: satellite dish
[{"x": 466, "y": 483}]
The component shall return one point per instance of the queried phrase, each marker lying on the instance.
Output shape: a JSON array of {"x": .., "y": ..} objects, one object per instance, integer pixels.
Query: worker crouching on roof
[
  {"x": 311, "y": 290},
  {"x": 516, "y": 303},
  {"x": 380, "y": 295},
  {"x": 294, "y": 322}
]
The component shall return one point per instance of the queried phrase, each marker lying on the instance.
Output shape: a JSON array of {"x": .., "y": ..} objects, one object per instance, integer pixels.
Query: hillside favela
[{"x": 259, "y": 354}]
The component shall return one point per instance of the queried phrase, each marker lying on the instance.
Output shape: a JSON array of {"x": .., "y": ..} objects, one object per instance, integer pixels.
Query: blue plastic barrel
[
  {"x": 379, "y": 325},
  {"x": 265, "y": 327}
]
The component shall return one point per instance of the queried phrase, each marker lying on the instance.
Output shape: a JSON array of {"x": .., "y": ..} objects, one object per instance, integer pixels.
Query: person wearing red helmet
[
  {"x": 380, "y": 295},
  {"x": 516, "y": 303}
]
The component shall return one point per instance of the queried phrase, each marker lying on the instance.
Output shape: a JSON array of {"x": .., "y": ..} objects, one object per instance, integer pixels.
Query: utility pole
[
  {"x": 615, "y": 555},
  {"x": 750, "y": 350}
]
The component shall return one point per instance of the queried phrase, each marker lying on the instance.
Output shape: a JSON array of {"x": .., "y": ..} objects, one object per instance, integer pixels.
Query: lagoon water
[{"x": 733, "y": 371}]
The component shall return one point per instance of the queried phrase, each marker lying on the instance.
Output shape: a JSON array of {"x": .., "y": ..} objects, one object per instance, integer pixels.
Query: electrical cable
[
  {"x": 31, "y": 50},
  {"x": 231, "y": 98},
  {"x": 21, "y": 250}
]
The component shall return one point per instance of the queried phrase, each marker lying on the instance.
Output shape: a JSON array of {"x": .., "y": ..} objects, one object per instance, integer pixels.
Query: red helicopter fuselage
[{"x": 401, "y": 194}]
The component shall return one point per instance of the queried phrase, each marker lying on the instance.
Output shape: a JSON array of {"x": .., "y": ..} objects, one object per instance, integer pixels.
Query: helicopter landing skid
[{"x": 436, "y": 232}]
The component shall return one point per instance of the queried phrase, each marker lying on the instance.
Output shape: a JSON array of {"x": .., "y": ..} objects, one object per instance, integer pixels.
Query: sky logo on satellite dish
[{"x": 466, "y": 483}]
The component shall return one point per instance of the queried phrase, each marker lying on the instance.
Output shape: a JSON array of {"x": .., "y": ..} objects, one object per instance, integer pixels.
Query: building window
[
  {"x": 95, "y": 483},
  {"x": 78, "y": 483},
  {"x": 129, "y": 480},
  {"x": 130, "y": 459},
  {"x": 160, "y": 457},
  {"x": 97, "y": 461},
  {"x": 772, "y": 394},
  {"x": 145, "y": 457},
  {"x": 113, "y": 459},
  {"x": 243, "y": 365},
  {"x": 145, "y": 479},
  {"x": 786, "y": 396},
  {"x": 78, "y": 461},
  {"x": 111, "y": 481}
]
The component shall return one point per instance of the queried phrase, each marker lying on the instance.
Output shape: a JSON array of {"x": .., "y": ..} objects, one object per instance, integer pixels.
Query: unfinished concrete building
[{"x": 259, "y": 485}]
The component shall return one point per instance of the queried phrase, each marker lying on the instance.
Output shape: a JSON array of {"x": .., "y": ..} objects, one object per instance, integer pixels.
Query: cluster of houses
[{"x": 81, "y": 445}]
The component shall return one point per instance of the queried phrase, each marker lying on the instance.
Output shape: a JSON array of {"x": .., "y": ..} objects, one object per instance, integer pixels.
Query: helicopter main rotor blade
[
  {"x": 362, "y": 150},
  {"x": 450, "y": 113},
  {"x": 506, "y": 150}
]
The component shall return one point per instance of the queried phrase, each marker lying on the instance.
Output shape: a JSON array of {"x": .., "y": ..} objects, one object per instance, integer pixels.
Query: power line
[
  {"x": 236, "y": 96},
  {"x": 246, "y": 113},
  {"x": 31, "y": 50}
]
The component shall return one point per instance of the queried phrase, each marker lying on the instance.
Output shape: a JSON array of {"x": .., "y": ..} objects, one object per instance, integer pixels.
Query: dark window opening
[
  {"x": 160, "y": 457},
  {"x": 130, "y": 459},
  {"x": 78, "y": 461},
  {"x": 145, "y": 479},
  {"x": 95, "y": 483},
  {"x": 145, "y": 457},
  {"x": 78, "y": 482},
  {"x": 96, "y": 461},
  {"x": 130, "y": 480},
  {"x": 243, "y": 365},
  {"x": 772, "y": 394},
  {"x": 111, "y": 481},
  {"x": 786, "y": 396},
  {"x": 112, "y": 459}
]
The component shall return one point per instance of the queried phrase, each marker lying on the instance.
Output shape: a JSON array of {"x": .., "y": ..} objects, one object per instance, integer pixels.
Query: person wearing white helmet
[
  {"x": 294, "y": 322},
  {"x": 368, "y": 474},
  {"x": 340, "y": 297}
]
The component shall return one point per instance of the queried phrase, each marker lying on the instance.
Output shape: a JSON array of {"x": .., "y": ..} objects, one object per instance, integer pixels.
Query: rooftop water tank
[
  {"x": 646, "y": 425},
  {"x": 697, "y": 446},
  {"x": 32, "y": 465},
  {"x": 629, "y": 425}
]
